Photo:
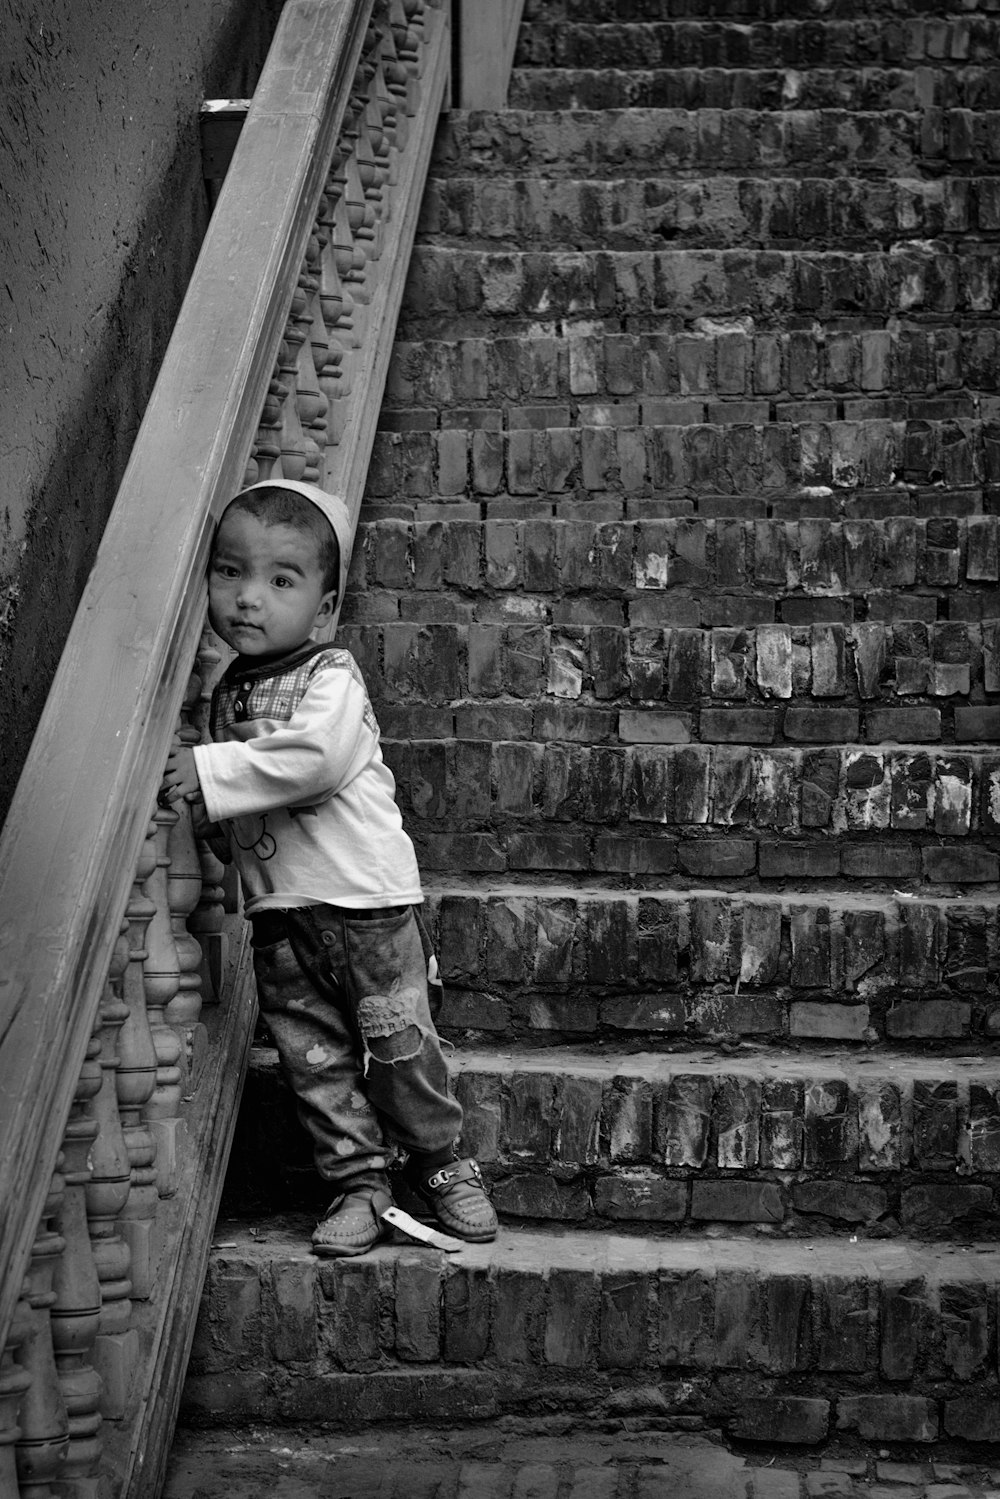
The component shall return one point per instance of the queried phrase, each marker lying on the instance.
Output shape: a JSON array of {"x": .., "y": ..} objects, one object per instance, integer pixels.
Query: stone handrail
[{"x": 125, "y": 1011}]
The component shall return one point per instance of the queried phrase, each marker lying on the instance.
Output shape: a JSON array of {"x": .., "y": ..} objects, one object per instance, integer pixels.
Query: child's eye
[
  {"x": 283, "y": 583},
  {"x": 225, "y": 570}
]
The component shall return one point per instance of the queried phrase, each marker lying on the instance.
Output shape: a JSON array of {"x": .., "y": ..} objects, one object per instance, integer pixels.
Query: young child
[{"x": 345, "y": 977}]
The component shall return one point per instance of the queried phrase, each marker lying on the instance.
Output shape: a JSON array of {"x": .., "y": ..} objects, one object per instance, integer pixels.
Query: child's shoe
[
  {"x": 353, "y": 1222},
  {"x": 456, "y": 1195}
]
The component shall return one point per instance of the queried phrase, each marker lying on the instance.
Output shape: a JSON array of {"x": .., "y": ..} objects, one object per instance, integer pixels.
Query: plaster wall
[{"x": 102, "y": 213}]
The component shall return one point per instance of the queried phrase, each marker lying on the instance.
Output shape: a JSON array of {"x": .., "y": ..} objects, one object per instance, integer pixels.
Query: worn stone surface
[{"x": 508, "y": 1462}]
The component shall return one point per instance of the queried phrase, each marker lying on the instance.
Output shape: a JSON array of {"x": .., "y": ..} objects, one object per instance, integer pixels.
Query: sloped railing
[{"x": 125, "y": 1008}]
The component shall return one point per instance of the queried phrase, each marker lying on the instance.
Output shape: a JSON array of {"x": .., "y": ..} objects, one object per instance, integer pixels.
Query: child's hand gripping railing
[{"x": 124, "y": 1023}]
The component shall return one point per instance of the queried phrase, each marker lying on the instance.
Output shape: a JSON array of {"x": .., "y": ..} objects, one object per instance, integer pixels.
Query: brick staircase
[{"x": 678, "y": 595}]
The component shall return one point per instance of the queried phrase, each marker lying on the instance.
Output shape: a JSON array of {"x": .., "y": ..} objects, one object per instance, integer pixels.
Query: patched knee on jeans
[{"x": 389, "y": 1025}]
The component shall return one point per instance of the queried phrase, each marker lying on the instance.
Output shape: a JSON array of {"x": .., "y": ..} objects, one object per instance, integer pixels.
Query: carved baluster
[
  {"x": 382, "y": 108},
  {"x": 410, "y": 44},
  {"x": 136, "y": 1082},
  {"x": 184, "y": 881},
  {"x": 252, "y": 471},
  {"x": 206, "y": 923},
  {"x": 267, "y": 444},
  {"x": 405, "y": 41},
  {"x": 348, "y": 214},
  {"x": 76, "y": 1308},
  {"x": 361, "y": 222},
  {"x": 372, "y": 150},
  {"x": 395, "y": 80},
  {"x": 319, "y": 336},
  {"x": 337, "y": 307},
  {"x": 107, "y": 1194},
  {"x": 293, "y": 456},
  {"x": 310, "y": 401},
  {"x": 40, "y": 1450},
  {"x": 206, "y": 920},
  {"x": 361, "y": 163},
  {"x": 161, "y": 977},
  {"x": 14, "y": 1381}
]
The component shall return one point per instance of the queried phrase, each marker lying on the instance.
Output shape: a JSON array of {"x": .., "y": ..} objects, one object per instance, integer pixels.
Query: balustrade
[{"x": 100, "y": 1289}]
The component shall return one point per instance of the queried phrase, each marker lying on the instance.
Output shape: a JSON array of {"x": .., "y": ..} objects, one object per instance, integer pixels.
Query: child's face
[{"x": 265, "y": 587}]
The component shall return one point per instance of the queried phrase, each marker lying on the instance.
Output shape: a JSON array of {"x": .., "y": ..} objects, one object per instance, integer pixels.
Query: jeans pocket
[{"x": 277, "y": 973}]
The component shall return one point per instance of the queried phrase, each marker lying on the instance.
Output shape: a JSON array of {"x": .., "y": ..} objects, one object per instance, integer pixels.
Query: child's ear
[{"x": 327, "y": 605}]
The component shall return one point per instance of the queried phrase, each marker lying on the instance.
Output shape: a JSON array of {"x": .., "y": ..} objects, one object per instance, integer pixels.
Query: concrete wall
[{"x": 102, "y": 212}]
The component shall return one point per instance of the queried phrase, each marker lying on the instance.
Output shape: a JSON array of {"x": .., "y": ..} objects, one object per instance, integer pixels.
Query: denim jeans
[{"x": 350, "y": 998}]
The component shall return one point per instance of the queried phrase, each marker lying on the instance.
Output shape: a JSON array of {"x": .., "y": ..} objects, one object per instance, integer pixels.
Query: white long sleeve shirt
[{"x": 296, "y": 772}]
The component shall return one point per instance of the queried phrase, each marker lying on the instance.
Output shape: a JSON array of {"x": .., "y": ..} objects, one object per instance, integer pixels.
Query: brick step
[
  {"x": 623, "y": 213},
  {"x": 640, "y": 143},
  {"x": 595, "y": 723},
  {"x": 461, "y": 293},
  {"x": 791, "y": 1342},
  {"x": 716, "y": 811},
  {"x": 942, "y": 23},
  {"x": 805, "y": 1144},
  {"x": 595, "y": 684},
  {"x": 923, "y": 86},
  {"x": 807, "y": 468},
  {"x": 562, "y": 962},
  {"x": 520, "y": 382},
  {"x": 586, "y": 1460},
  {"x": 688, "y": 572},
  {"x": 874, "y": 41}
]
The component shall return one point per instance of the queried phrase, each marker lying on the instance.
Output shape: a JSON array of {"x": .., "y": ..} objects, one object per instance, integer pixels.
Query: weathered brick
[
  {"x": 973, "y": 1418},
  {"x": 519, "y": 1317},
  {"x": 956, "y": 1207},
  {"x": 928, "y": 1018},
  {"x": 682, "y": 1120},
  {"x": 610, "y": 940},
  {"x": 961, "y": 865},
  {"x": 879, "y": 1124},
  {"x": 781, "y": 1124},
  {"x": 798, "y": 861},
  {"x": 358, "y": 1321},
  {"x": 686, "y": 1304},
  {"x": 807, "y": 1018},
  {"x": 796, "y": 1419},
  {"x": 632, "y": 1197},
  {"x": 845, "y": 1201},
  {"x": 845, "y": 1323},
  {"x": 625, "y": 1306},
  {"x": 232, "y": 1301},
  {"x": 888, "y": 1418},
  {"x": 467, "y": 1307},
  {"x": 738, "y": 1328},
  {"x": 811, "y": 947},
  {"x": 293, "y": 1311},
  {"x": 737, "y": 1202},
  {"x": 572, "y": 1318},
  {"x": 418, "y": 1309},
  {"x": 738, "y": 725},
  {"x": 719, "y": 859},
  {"x": 966, "y": 1329},
  {"x": 821, "y": 725},
  {"x": 540, "y": 1195},
  {"x": 902, "y": 725}
]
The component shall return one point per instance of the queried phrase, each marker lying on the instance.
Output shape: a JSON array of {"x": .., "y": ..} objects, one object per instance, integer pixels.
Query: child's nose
[{"x": 248, "y": 593}]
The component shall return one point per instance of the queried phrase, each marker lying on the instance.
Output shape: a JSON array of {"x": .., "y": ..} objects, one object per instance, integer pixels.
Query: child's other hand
[{"x": 180, "y": 779}]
